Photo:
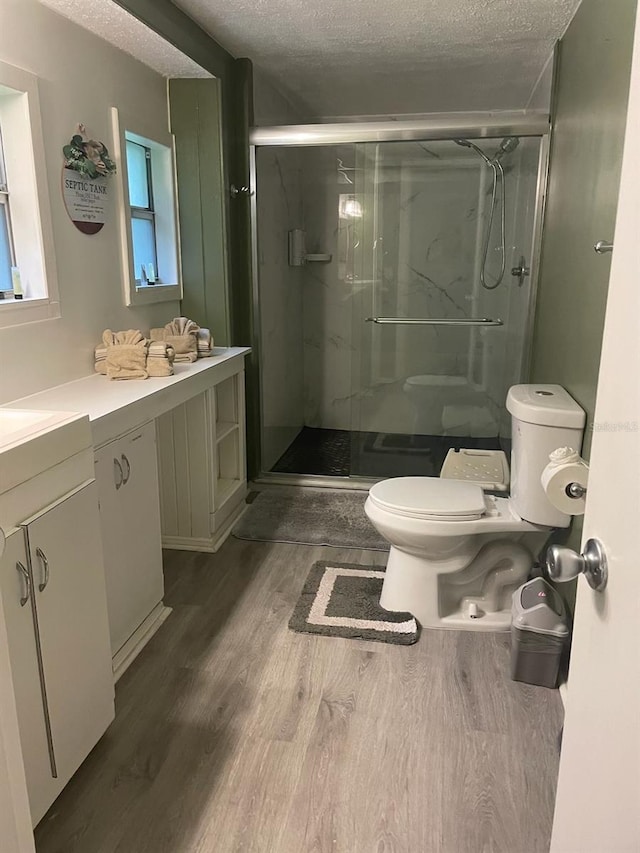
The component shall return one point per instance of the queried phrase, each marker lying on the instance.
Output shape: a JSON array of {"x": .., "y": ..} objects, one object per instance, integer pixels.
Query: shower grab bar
[{"x": 428, "y": 321}]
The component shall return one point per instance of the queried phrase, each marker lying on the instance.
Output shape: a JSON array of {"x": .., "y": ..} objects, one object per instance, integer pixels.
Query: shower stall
[{"x": 395, "y": 271}]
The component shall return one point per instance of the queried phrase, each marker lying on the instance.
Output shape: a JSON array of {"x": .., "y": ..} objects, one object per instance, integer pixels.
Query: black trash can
[{"x": 539, "y": 633}]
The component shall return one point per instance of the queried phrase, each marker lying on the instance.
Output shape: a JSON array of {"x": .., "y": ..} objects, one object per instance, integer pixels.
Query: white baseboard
[
  {"x": 183, "y": 543},
  {"x": 223, "y": 534},
  {"x": 125, "y": 656},
  {"x": 208, "y": 546}
]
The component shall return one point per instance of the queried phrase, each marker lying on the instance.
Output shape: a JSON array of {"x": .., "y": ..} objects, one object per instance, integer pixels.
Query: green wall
[
  {"x": 195, "y": 122},
  {"x": 588, "y": 121},
  {"x": 211, "y": 120}
]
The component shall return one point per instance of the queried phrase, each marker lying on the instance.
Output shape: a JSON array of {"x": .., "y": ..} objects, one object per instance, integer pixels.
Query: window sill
[
  {"x": 17, "y": 312},
  {"x": 147, "y": 294}
]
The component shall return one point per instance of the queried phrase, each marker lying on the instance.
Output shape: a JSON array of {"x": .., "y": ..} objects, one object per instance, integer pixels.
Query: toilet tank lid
[{"x": 547, "y": 405}]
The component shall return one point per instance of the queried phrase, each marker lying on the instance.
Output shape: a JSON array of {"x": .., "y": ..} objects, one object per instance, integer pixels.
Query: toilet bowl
[{"x": 457, "y": 553}]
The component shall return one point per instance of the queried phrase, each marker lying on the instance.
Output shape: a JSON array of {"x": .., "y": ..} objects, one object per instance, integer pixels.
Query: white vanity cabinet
[
  {"x": 184, "y": 494},
  {"x": 127, "y": 477},
  {"x": 203, "y": 480},
  {"x": 53, "y": 594}
]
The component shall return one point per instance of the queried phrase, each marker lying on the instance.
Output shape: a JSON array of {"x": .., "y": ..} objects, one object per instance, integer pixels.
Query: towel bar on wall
[
  {"x": 429, "y": 321},
  {"x": 602, "y": 247}
]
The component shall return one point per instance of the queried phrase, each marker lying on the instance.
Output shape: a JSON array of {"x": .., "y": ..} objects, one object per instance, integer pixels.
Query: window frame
[
  {"x": 163, "y": 199},
  {"x": 5, "y": 202},
  {"x": 31, "y": 227},
  {"x": 148, "y": 212}
]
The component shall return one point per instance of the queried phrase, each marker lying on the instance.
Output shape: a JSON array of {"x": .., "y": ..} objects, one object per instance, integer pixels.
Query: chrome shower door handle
[
  {"x": 27, "y": 584},
  {"x": 45, "y": 569},
  {"x": 433, "y": 321}
]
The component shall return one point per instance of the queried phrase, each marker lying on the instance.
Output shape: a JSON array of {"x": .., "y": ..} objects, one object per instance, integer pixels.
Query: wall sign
[{"x": 85, "y": 181}]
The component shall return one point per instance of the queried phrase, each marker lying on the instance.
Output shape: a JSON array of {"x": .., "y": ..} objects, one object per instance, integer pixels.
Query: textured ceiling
[
  {"x": 113, "y": 24},
  {"x": 366, "y": 57}
]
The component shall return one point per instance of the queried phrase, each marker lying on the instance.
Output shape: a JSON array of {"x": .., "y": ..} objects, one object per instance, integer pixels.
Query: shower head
[
  {"x": 465, "y": 143},
  {"x": 508, "y": 144}
]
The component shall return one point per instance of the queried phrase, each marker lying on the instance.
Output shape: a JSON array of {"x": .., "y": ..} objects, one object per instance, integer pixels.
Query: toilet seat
[{"x": 429, "y": 498}]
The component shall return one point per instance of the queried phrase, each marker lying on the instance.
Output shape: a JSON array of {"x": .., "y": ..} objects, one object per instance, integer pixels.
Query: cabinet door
[
  {"x": 23, "y": 653},
  {"x": 127, "y": 475},
  {"x": 65, "y": 550}
]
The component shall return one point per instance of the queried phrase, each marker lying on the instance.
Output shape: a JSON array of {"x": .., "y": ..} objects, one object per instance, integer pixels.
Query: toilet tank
[{"x": 543, "y": 417}]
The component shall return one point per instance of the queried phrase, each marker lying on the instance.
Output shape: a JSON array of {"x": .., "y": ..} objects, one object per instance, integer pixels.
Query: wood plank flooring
[{"x": 235, "y": 734}]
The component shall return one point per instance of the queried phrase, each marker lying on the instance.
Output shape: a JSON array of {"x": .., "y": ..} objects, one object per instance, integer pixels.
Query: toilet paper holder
[{"x": 576, "y": 490}]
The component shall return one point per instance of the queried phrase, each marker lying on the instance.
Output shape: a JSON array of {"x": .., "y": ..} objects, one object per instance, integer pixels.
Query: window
[
  {"x": 27, "y": 254},
  {"x": 143, "y": 225},
  {"x": 7, "y": 253},
  {"x": 145, "y": 192}
]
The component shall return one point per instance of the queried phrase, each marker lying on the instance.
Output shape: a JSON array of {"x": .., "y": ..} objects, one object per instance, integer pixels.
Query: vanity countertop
[{"x": 115, "y": 407}]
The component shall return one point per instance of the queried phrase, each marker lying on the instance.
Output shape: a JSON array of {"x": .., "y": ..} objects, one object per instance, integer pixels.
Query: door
[
  {"x": 127, "y": 476},
  {"x": 16, "y": 584},
  {"x": 68, "y": 577},
  {"x": 440, "y": 327},
  {"x": 598, "y": 797},
  {"x": 15, "y": 816}
]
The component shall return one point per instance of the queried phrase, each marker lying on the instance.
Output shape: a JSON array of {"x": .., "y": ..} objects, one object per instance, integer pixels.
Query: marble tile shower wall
[
  {"x": 426, "y": 258},
  {"x": 498, "y": 356},
  {"x": 419, "y": 242},
  {"x": 327, "y": 295},
  {"x": 279, "y": 200}
]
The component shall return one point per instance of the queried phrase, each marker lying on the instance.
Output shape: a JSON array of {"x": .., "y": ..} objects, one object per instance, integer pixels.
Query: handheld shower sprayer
[{"x": 508, "y": 144}]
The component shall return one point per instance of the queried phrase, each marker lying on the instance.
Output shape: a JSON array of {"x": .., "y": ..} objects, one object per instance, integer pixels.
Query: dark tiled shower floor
[
  {"x": 341, "y": 453},
  {"x": 317, "y": 451}
]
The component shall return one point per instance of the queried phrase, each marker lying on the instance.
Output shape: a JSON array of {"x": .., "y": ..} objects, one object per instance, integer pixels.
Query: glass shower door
[{"x": 433, "y": 350}]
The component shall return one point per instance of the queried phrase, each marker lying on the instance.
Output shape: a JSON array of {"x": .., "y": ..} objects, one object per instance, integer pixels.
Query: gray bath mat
[
  {"x": 310, "y": 517},
  {"x": 343, "y": 600}
]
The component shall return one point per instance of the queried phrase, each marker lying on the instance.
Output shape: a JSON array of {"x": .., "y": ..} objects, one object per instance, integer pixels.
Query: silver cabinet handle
[
  {"x": 45, "y": 569},
  {"x": 128, "y": 474},
  {"x": 601, "y": 247},
  {"x": 117, "y": 473},
  {"x": 27, "y": 584}
]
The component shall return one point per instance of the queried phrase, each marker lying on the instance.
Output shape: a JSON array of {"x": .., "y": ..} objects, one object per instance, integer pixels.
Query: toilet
[{"x": 458, "y": 553}]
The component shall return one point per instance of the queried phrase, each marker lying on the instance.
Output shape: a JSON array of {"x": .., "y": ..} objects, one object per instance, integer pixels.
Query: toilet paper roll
[{"x": 566, "y": 467}]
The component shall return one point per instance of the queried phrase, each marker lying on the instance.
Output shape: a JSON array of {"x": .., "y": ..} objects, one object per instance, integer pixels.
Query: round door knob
[{"x": 563, "y": 564}]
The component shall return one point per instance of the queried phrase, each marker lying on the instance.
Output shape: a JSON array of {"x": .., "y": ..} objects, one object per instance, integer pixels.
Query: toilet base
[{"x": 476, "y": 597}]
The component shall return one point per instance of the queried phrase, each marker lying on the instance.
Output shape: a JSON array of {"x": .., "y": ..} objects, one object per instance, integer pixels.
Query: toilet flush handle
[{"x": 563, "y": 564}]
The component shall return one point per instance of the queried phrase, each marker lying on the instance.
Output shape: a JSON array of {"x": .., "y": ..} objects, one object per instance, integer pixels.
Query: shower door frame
[{"x": 442, "y": 126}]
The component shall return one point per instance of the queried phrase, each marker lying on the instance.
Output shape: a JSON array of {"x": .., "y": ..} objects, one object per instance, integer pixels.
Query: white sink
[
  {"x": 32, "y": 442},
  {"x": 16, "y": 425}
]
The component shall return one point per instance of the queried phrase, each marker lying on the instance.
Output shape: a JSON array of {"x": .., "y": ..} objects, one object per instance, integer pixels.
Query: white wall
[{"x": 81, "y": 77}]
